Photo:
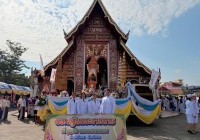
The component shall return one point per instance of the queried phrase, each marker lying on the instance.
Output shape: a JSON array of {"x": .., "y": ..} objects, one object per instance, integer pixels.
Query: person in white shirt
[
  {"x": 166, "y": 104},
  {"x": 82, "y": 105},
  {"x": 107, "y": 104},
  {"x": 190, "y": 114},
  {"x": 21, "y": 106},
  {"x": 72, "y": 105},
  {"x": 181, "y": 105},
  {"x": 94, "y": 105},
  {"x": 196, "y": 110},
  {"x": 5, "y": 108},
  {"x": 175, "y": 103}
]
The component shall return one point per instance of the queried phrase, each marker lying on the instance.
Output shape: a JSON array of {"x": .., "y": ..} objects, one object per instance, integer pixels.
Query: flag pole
[{"x": 41, "y": 66}]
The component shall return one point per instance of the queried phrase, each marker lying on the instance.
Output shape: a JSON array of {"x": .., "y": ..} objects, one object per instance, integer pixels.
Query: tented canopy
[{"x": 10, "y": 88}]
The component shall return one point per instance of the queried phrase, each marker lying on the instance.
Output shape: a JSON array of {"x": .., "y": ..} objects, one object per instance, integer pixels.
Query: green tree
[{"x": 11, "y": 64}]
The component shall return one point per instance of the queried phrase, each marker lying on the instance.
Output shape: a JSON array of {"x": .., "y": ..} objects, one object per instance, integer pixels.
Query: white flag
[
  {"x": 41, "y": 65},
  {"x": 154, "y": 78},
  {"x": 53, "y": 75}
]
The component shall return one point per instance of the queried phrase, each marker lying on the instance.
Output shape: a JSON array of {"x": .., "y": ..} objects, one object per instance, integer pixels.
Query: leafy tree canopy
[{"x": 11, "y": 64}]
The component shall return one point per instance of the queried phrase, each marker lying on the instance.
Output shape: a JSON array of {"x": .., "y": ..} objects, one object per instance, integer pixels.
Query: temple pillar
[{"x": 113, "y": 65}]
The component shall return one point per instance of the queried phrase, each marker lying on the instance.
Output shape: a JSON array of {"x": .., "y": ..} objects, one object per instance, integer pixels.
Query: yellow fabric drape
[
  {"x": 54, "y": 111},
  {"x": 42, "y": 113},
  {"x": 147, "y": 119},
  {"x": 125, "y": 111},
  {"x": 150, "y": 118}
]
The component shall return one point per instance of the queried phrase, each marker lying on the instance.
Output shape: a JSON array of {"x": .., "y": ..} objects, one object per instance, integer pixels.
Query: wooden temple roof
[
  {"x": 55, "y": 60},
  {"x": 123, "y": 38},
  {"x": 106, "y": 15},
  {"x": 133, "y": 57}
]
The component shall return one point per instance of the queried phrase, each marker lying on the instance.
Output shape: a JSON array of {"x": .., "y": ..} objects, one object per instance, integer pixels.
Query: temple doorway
[
  {"x": 102, "y": 75},
  {"x": 70, "y": 87}
]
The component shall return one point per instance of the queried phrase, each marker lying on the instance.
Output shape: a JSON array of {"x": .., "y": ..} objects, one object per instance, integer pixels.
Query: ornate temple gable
[
  {"x": 97, "y": 30},
  {"x": 134, "y": 59},
  {"x": 100, "y": 50},
  {"x": 134, "y": 73},
  {"x": 54, "y": 62},
  {"x": 97, "y": 6},
  {"x": 96, "y": 36}
]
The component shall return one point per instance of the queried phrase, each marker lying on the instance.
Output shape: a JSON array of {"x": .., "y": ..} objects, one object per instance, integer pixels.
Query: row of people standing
[
  {"x": 83, "y": 106},
  {"x": 170, "y": 103},
  {"x": 192, "y": 113},
  {"x": 4, "y": 107}
]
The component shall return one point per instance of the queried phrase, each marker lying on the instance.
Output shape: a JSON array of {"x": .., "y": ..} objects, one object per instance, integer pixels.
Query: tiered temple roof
[{"x": 115, "y": 28}]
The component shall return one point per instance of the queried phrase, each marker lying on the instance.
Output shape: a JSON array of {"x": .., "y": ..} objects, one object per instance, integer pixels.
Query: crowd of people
[
  {"x": 87, "y": 103},
  {"x": 30, "y": 105},
  {"x": 189, "y": 104},
  {"x": 79, "y": 103},
  {"x": 84, "y": 103},
  {"x": 171, "y": 103}
]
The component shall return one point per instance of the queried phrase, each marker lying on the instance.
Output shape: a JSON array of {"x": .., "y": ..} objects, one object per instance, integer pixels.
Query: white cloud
[{"x": 38, "y": 24}]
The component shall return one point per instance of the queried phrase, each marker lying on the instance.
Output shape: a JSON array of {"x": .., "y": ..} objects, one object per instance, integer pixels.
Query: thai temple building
[
  {"x": 96, "y": 55},
  {"x": 174, "y": 88}
]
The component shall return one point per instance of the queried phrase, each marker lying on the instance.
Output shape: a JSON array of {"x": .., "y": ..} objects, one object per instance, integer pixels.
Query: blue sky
[
  {"x": 177, "y": 53},
  {"x": 164, "y": 34}
]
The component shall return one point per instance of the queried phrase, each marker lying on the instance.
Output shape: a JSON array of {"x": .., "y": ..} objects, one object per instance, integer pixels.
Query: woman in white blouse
[{"x": 82, "y": 105}]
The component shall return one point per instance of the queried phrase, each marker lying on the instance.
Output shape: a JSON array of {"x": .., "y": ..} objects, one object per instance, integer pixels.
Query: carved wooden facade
[{"x": 96, "y": 34}]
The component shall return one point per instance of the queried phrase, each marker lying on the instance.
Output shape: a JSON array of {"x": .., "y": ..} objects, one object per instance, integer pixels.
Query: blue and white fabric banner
[
  {"x": 140, "y": 109},
  {"x": 122, "y": 103},
  {"x": 142, "y": 102},
  {"x": 58, "y": 103}
]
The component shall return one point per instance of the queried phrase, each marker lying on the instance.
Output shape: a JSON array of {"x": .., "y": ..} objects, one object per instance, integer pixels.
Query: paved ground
[{"x": 172, "y": 128}]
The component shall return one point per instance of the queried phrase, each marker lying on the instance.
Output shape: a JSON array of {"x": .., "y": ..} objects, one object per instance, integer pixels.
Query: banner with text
[{"x": 85, "y": 127}]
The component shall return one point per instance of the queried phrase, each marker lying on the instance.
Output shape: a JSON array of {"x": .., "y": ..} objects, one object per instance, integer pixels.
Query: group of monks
[{"x": 83, "y": 106}]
